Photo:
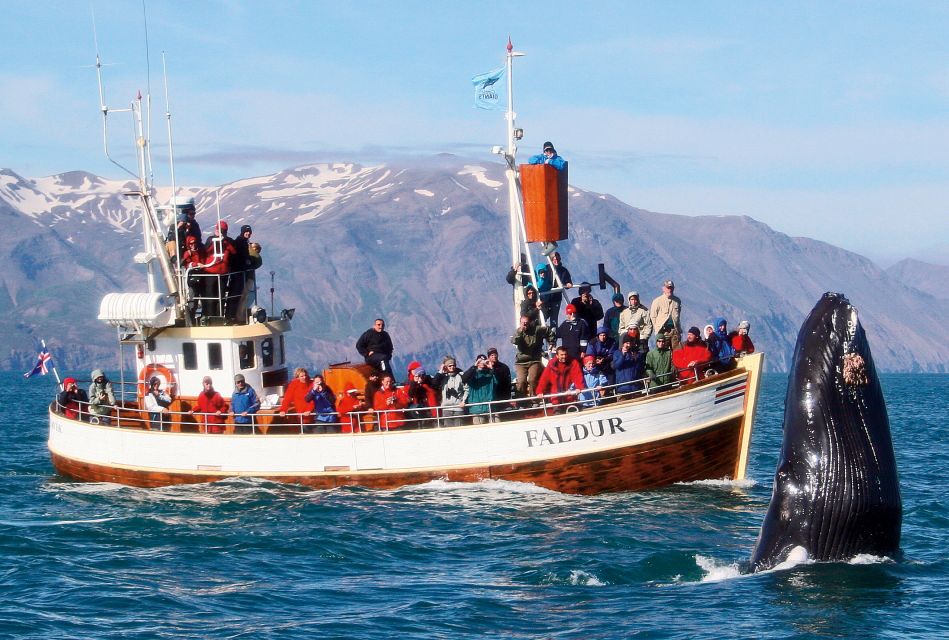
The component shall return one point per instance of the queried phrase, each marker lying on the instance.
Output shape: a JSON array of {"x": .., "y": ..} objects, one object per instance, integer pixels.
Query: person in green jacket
[
  {"x": 101, "y": 397},
  {"x": 481, "y": 383},
  {"x": 659, "y": 367}
]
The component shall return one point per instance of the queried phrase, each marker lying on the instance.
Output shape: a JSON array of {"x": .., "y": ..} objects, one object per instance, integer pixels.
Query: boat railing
[
  {"x": 128, "y": 414},
  {"x": 215, "y": 297}
]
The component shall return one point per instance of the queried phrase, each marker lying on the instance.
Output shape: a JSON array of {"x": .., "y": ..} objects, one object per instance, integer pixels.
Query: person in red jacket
[
  {"x": 218, "y": 255},
  {"x": 689, "y": 358},
  {"x": 389, "y": 405},
  {"x": 210, "y": 408},
  {"x": 741, "y": 341},
  {"x": 348, "y": 404},
  {"x": 295, "y": 398},
  {"x": 562, "y": 375},
  {"x": 419, "y": 398}
]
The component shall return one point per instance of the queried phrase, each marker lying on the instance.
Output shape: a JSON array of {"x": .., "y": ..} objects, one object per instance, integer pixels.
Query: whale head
[{"x": 836, "y": 492}]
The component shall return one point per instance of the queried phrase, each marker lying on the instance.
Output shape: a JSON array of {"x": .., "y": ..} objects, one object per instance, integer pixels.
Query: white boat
[{"x": 640, "y": 441}]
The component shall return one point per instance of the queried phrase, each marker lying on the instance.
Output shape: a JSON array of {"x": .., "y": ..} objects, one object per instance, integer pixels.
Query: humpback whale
[{"x": 836, "y": 491}]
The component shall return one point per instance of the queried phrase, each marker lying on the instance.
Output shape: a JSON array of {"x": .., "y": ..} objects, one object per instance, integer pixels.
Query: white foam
[
  {"x": 866, "y": 558},
  {"x": 716, "y": 571},
  {"x": 584, "y": 579},
  {"x": 727, "y": 483}
]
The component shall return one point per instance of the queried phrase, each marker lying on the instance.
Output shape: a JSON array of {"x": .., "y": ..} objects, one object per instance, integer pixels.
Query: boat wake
[{"x": 724, "y": 483}]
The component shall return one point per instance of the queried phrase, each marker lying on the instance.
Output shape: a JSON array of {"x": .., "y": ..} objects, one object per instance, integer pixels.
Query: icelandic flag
[
  {"x": 44, "y": 362},
  {"x": 486, "y": 93}
]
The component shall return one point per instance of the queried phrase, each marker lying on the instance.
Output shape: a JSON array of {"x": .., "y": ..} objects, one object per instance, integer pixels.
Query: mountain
[
  {"x": 932, "y": 279},
  {"x": 425, "y": 245}
]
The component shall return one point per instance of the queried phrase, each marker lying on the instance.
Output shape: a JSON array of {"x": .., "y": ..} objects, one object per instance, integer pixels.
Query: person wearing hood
[
  {"x": 612, "y": 316},
  {"x": 101, "y": 397},
  {"x": 741, "y": 341},
  {"x": 531, "y": 305},
  {"x": 659, "y": 367},
  {"x": 72, "y": 401},
  {"x": 691, "y": 358},
  {"x": 636, "y": 315},
  {"x": 602, "y": 349},
  {"x": 156, "y": 404},
  {"x": 721, "y": 347},
  {"x": 628, "y": 364},
  {"x": 548, "y": 156}
]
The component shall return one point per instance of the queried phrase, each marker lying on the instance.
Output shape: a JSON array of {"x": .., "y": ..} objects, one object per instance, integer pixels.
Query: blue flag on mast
[
  {"x": 44, "y": 362},
  {"x": 486, "y": 93}
]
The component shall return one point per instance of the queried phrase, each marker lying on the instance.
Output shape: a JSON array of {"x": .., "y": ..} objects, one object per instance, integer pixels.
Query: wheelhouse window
[
  {"x": 215, "y": 358},
  {"x": 283, "y": 359},
  {"x": 245, "y": 354},
  {"x": 266, "y": 352},
  {"x": 190, "y": 352}
]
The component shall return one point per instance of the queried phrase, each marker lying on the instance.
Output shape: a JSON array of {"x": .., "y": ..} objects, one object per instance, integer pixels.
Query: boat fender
[{"x": 159, "y": 370}]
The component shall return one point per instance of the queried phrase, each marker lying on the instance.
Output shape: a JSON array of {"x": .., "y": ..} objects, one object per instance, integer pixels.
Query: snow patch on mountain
[{"x": 480, "y": 174}]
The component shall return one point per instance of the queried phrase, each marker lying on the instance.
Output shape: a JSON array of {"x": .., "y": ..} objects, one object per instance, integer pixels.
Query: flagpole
[{"x": 55, "y": 373}]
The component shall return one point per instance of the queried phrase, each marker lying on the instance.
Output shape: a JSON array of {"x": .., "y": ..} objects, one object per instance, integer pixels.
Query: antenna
[
  {"x": 148, "y": 96},
  {"x": 104, "y": 108}
]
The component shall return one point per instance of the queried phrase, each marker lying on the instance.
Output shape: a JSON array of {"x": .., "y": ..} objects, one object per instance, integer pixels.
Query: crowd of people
[{"x": 220, "y": 268}]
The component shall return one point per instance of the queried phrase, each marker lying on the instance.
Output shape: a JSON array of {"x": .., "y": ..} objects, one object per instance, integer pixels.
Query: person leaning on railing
[
  {"x": 659, "y": 367},
  {"x": 156, "y": 404},
  {"x": 692, "y": 358},
  {"x": 72, "y": 400}
]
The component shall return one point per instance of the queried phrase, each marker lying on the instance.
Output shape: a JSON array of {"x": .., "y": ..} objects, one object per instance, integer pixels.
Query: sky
[{"x": 825, "y": 120}]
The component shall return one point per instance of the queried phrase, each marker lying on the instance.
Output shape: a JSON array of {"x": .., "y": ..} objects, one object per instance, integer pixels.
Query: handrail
[{"x": 364, "y": 421}]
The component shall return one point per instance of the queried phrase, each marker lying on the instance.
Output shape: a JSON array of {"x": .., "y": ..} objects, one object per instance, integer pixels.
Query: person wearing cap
[
  {"x": 349, "y": 407},
  {"x": 594, "y": 380},
  {"x": 529, "y": 339},
  {"x": 664, "y": 313},
  {"x": 636, "y": 315},
  {"x": 502, "y": 376},
  {"x": 548, "y": 156},
  {"x": 375, "y": 346},
  {"x": 573, "y": 332},
  {"x": 101, "y": 397},
  {"x": 628, "y": 364},
  {"x": 244, "y": 405},
  {"x": 659, "y": 367},
  {"x": 72, "y": 401},
  {"x": 602, "y": 348},
  {"x": 741, "y": 341},
  {"x": 588, "y": 308},
  {"x": 691, "y": 360},
  {"x": 324, "y": 407},
  {"x": 721, "y": 346},
  {"x": 452, "y": 391},
  {"x": 481, "y": 385},
  {"x": 562, "y": 380},
  {"x": 612, "y": 316},
  {"x": 156, "y": 403},
  {"x": 562, "y": 280},
  {"x": 210, "y": 408}
]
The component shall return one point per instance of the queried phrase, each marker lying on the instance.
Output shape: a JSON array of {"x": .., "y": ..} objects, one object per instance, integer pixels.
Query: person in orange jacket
[
  {"x": 295, "y": 398},
  {"x": 389, "y": 405},
  {"x": 691, "y": 356},
  {"x": 562, "y": 375},
  {"x": 210, "y": 407}
]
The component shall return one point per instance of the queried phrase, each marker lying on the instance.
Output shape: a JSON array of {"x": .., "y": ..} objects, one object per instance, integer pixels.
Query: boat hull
[{"x": 700, "y": 432}]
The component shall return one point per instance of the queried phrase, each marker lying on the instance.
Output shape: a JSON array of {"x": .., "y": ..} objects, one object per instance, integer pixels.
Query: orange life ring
[{"x": 158, "y": 370}]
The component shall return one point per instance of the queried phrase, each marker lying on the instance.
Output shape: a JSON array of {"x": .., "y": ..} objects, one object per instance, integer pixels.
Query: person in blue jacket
[
  {"x": 549, "y": 156},
  {"x": 720, "y": 346},
  {"x": 244, "y": 404},
  {"x": 324, "y": 406}
]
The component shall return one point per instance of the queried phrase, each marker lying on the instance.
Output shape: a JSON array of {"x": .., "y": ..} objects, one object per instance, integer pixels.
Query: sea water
[{"x": 255, "y": 559}]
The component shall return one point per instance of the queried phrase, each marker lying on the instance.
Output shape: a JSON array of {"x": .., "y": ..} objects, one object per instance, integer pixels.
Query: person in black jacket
[{"x": 375, "y": 346}]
